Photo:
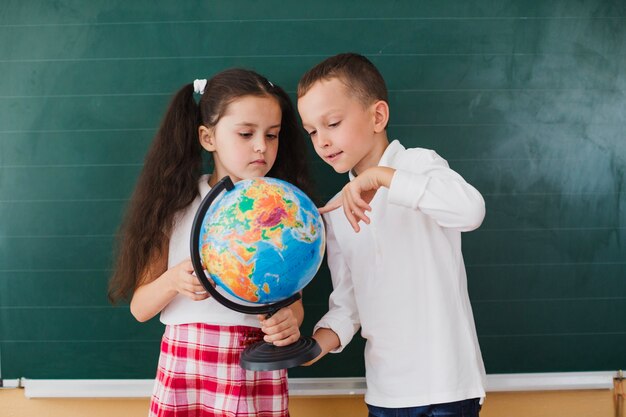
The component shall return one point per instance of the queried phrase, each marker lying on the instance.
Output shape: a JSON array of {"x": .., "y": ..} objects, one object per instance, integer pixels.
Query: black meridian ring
[{"x": 224, "y": 184}]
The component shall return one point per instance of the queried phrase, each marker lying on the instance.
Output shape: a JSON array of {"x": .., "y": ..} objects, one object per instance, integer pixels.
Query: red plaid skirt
[{"x": 199, "y": 375}]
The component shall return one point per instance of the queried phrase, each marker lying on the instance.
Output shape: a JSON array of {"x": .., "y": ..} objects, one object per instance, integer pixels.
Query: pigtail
[{"x": 168, "y": 183}]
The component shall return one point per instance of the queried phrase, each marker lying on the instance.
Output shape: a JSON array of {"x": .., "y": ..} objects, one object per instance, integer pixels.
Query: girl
[{"x": 250, "y": 128}]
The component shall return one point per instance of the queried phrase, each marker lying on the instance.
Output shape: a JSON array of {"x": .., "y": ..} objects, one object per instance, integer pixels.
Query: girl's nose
[{"x": 259, "y": 144}]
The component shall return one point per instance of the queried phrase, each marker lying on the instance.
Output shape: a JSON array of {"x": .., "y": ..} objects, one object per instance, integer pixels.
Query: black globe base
[{"x": 263, "y": 356}]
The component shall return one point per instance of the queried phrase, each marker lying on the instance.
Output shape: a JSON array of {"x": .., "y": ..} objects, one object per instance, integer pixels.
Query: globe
[{"x": 262, "y": 241}]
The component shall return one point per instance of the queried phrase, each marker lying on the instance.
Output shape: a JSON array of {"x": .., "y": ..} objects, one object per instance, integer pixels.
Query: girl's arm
[{"x": 161, "y": 285}]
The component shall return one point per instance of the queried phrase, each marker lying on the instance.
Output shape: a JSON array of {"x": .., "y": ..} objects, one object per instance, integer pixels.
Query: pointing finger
[{"x": 331, "y": 205}]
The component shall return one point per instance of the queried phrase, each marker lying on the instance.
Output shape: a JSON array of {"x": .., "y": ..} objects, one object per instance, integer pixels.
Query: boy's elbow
[
  {"x": 474, "y": 216},
  {"x": 469, "y": 210}
]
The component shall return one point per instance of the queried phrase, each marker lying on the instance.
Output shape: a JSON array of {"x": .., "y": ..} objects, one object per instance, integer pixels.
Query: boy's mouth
[{"x": 333, "y": 156}]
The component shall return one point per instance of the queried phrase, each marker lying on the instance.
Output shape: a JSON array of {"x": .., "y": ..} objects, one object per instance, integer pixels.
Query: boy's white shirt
[
  {"x": 182, "y": 310},
  {"x": 402, "y": 280}
]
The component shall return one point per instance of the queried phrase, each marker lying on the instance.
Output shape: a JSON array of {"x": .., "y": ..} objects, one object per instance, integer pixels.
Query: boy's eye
[{"x": 334, "y": 124}]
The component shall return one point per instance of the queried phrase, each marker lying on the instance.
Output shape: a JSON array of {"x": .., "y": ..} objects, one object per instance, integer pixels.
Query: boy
[{"x": 394, "y": 251}]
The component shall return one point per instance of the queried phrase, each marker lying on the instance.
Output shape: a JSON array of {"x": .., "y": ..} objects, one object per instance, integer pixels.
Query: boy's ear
[
  {"x": 207, "y": 138},
  {"x": 381, "y": 115}
]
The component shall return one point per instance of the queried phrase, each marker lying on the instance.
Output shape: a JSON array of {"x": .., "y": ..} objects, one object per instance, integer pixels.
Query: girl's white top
[{"x": 182, "y": 310}]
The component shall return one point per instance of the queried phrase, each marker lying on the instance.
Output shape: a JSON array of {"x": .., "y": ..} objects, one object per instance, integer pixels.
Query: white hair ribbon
[{"x": 198, "y": 86}]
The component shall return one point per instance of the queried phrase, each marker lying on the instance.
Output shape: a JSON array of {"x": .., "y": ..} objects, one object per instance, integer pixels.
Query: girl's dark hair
[{"x": 173, "y": 165}]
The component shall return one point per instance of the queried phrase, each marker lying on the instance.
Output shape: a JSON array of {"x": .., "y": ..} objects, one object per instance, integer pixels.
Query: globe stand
[
  {"x": 260, "y": 356},
  {"x": 263, "y": 356}
]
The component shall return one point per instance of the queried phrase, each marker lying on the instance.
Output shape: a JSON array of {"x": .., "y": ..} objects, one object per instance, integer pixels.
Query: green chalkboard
[{"x": 525, "y": 98}]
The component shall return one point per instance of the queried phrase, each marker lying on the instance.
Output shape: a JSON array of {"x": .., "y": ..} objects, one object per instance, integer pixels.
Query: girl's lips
[{"x": 258, "y": 162}]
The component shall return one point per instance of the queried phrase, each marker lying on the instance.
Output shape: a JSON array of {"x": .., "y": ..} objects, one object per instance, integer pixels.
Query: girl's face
[{"x": 244, "y": 142}]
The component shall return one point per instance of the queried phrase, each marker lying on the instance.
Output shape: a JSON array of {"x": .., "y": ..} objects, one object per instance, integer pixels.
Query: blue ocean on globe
[{"x": 262, "y": 241}]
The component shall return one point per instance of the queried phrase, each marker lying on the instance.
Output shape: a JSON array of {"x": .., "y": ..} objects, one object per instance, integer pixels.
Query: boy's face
[{"x": 340, "y": 126}]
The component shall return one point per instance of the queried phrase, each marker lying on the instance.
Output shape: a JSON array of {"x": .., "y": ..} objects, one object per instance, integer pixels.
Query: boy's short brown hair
[{"x": 360, "y": 76}]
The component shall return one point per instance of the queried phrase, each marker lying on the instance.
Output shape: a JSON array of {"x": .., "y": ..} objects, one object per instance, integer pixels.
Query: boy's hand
[
  {"x": 282, "y": 328},
  {"x": 328, "y": 340},
  {"x": 358, "y": 193}
]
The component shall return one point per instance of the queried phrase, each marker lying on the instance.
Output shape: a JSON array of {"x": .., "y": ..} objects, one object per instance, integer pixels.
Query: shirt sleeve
[
  {"x": 430, "y": 186},
  {"x": 342, "y": 317}
]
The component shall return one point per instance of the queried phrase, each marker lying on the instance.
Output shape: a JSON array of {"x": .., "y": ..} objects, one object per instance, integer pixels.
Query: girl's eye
[
  {"x": 272, "y": 136},
  {"x": 245, "y": 134},
  {"x": 334, "y": 124},
  {"x": 312, "y": 132}
]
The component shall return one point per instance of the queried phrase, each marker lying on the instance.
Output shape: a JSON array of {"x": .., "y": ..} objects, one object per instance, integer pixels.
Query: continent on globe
[{"x": 262, "y": 241}]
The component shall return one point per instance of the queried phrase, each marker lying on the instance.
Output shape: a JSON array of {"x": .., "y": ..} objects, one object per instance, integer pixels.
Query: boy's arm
[
  {"x": 357, "y": 194},
  {"x": 437, "y": 191},
  {"x": 429, "y": 186},
  {"x": 328, "y": 341},
  {"x": 336, "y": 329}
]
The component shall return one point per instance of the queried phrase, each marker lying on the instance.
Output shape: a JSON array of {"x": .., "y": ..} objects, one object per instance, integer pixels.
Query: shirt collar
[{"x": 392, "y": 149}]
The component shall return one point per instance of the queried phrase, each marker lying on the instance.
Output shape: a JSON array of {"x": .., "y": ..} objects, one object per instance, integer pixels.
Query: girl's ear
[
  {"x": 381, "y": 115},
  {"x": 207, "y": 138}
]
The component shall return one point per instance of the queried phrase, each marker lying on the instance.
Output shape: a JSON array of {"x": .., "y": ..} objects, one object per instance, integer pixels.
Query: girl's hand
[
  {"x": 182, "y": 280},
  {"x": 358, "y": 193},
  {"x": 282, "y": 328}
]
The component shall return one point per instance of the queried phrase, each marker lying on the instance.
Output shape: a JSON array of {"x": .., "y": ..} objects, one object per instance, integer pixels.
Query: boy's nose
[{"x": 322, "y": 140}]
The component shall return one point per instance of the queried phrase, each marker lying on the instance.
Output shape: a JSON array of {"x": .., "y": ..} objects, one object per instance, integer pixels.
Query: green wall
[{"x": 525, "y": 98}]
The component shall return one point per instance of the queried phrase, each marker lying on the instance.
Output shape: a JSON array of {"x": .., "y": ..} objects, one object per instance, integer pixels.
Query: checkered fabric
[{"x": 199, "y": 375}]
